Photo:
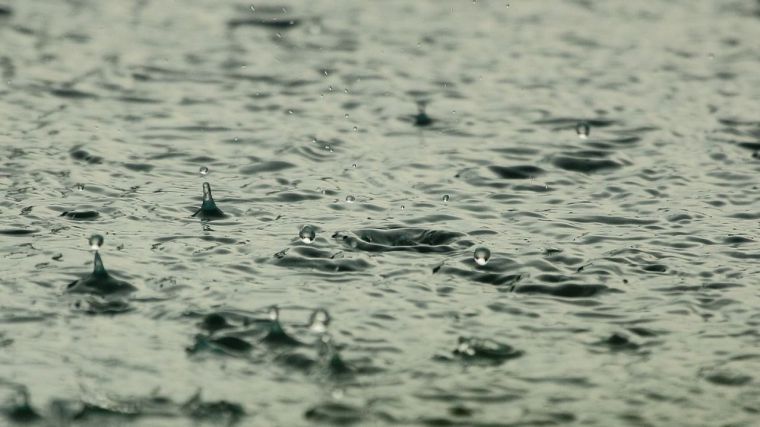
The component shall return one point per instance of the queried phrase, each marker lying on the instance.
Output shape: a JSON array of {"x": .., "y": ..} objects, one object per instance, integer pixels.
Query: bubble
[
  {"x": 96, "y": 241},
  {"x": 350, "y": 199},
  {"x": 274, "y": 313},
  {"x": 445, "y": 198},
  {"x": 307, "y": 234},
  {"x": 319, "y": 320},
  {"x": 203, "y": 171},
  {"x": 482, "y": 255},
  {"x": 583, "y": 130},
  {"x": 80, "y": 187}
]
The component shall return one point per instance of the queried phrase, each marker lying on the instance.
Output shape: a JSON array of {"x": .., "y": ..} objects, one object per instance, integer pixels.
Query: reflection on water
[{"x": 513, "y": 213}]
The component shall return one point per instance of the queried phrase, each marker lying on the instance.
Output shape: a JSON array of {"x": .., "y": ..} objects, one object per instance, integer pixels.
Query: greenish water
[{"x": 621, "y": 286}]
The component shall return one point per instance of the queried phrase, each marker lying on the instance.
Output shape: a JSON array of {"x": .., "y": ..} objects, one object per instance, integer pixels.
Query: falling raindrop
[
  {"x": 307, "y": 234},
  {"x": 274, "y": 313},
  {"x": 582, "y": 129},
  {"x": 203, "y": 171},
  {"x": 96, "y": 241},
  {"x": 482, "y": 255}
]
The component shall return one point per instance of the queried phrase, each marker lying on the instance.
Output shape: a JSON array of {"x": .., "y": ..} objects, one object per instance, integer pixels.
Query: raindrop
[
  {"x": 403, "y": 207},
  {"x": 346, "y": 115},
  {"x": 482, "y": 255},
  {"x": 445, "y": 198},
  {"x": 350, "y": 199},
  {"x": 583, "y": 130},
  {"x": 307, "y": 234},
  {"x": 203, "y": 171},
  {"x": 354, "y": 166},
  {"x": 274, "y": 313},
  {"x": 80, "y": 187},
  {"x": 319, "y": 320},
  {"x": 96, "y": 241},
  {"x": 356, "y": 129},
  {"x": 253, "y": 9}
]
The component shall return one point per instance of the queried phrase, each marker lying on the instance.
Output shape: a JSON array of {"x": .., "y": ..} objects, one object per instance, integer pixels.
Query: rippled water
[{"x": 621, "y": 287}]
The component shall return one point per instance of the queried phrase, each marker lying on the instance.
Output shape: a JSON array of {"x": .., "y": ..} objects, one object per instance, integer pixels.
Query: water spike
[
  {"x": 421, "y": 118},
  {"x": 207, "y": 193},
  {"x": 208, "y": 209},
  {"x": 98, "y": 269},
  {"x": 319, "y": 320}
]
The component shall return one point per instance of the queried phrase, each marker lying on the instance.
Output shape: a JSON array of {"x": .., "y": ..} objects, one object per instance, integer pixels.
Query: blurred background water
[{"x": 621, "y": 282}]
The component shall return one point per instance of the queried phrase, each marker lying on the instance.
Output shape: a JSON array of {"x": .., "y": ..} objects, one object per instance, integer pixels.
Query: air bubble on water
[
  {"x": 274, "y": 313},
  {"x": 582, "y": 129},
  {"x": 80, "y": 187},
  {"x": 350, "y": 199},
  {"x": 481, "y": 256},
  {"x": 203, "y": 171},
  {"x": 356, "y": 129},
  {"x": 307, "y": 234},
  {"x": 445, "y": 198},
  {"x": 96, "y": 241},
  {"x": 319, "y": 320}
]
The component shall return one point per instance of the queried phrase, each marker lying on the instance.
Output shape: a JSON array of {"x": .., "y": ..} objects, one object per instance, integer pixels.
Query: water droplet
[
  {"x": 96, "y": 241},
  {"x": 403, "y": 207},
  {"x": 345, "y": 90},
  {"x": 583, "y": 130},
  {"x": 346, "y": 115},
  {"x": 356, "y": 129},
  {"x": 482, "y": 255},
  {"x": 319, "y": 320},
  {"x": 445, "y": 198},
  {"x": 80, "y": 187},
  {"x": 253, "y": 9},
  {"x": 274, "y": 313},
  {"x": 307, "y": 234},
  {"x": 354, "y": 166},
  {"x": 350, "y": 199},
  {"x": 290, "y": 111},
  {"x": 203, "y": 171}
]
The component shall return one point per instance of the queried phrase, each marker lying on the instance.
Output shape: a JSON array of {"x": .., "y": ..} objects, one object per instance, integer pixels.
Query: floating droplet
[
  {"x": 356, "y": 129},
  {"x": 482, "y": 255},
  {"x": 346, "y": 115},
  {"x": 274, "y": 313},
  {"x": 96, "y": 241},
  {"x": 307, "y": 234},
  {"x": 583, "y": 130},
  {"x": 203, "y": 171},
  {"x": 80, "y": 187},
  {"x": 445, "y": 198},
  {"x": 350, "y": 199},
  {"x": 319, "y": 321}
]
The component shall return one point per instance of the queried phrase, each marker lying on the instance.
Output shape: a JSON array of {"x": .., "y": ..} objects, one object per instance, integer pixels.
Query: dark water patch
[
  {"x": 81, "y": 215},
  {"x": 479, "y": 351},
  {"x": 655, "y": 268},
  {"x": 516, "y": 172},
  {"x": 230, "y": 345},
  {"x": 5, "y": 11},
  {"x": 585, "y": 165},
  {"x": 17, "y": 232},
  {"x": 611, "y": 220},
  {"x": 569, "y": 290},
  {"x": 334, "y": 413},
  {"x": 487, "y": 278},
  {"x": 72, "y": 93},
  {"x": 270, "y": 166},
  {"x": 321, "y": 261},
  {"x": 618, "y": 341},
  {"x": 737, "y": 240},
  {"x": 139, "y": 167},
  {"x": 725, "y": 377},
  {"x": 271, "y": 23},
  {"x": 80, "y": 154}
]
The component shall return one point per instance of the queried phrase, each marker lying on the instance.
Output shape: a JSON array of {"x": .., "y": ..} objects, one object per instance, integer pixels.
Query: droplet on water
[
  {"x": 350, "y": 199},
  {"x": 482, "y": 255},
  {"x": 203, "y": 171},
  {"x": 354, "y": 166},
  {"x": 274, "y": 313},
  {"x": 445, "y": 198},
  {"x": 80, "y": 187},
  {"x": 96, "y": 241},
  {"x": 319, "y": 321},
  {"x": 307, "y": 234},
  {"x": 583, "y": 130}
]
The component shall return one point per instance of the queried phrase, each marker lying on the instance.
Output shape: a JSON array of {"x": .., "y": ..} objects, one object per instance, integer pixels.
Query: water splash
[
  {"x": 99, "y": 282},
  {"x": 307, "y": 234},
  {"x": 583, "y": 130},
  {"x": 208, "y": 210},
  {"x": 481, "y": 255}
]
